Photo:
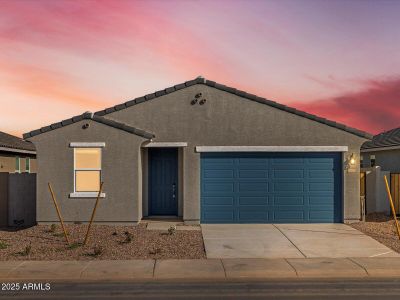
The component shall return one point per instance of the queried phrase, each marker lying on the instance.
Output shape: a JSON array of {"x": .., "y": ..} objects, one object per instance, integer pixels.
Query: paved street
[
  {"x": 300, "y": 289},
  {"x": 289, "y": 241}
]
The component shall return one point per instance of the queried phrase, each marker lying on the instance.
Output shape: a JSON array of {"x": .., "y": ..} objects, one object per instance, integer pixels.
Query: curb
[{"x": 201, "y": 269}]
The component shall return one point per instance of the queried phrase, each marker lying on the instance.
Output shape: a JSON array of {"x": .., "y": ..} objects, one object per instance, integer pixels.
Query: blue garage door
[{"x": 271, "y": 188}]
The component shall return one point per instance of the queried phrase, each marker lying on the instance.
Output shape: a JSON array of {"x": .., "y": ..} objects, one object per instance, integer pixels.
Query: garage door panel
[
  {"x": 250, "y": 187},
  {"x": 287, "y": 161},
  {"x": 218, "y": 173},
  {"x": 288, "y": 174},
  {"x": 322, "y": 200},
  {"x": 252, "y": 215},
  {"x": 320, "y": 215},
  {"x": 271, "y": 187},
  {"x": 289, "y": 200},
  {"x": 321, "y": 174},
  {"x": 218, "y": 187},
  {"x": 253, "y": 174},
  {"x": 321, "y": 186},
  {"x": 218, "y": 200},
  {"x": 219, "y": 214},
  {"x": 288, "y": 216},
  {"x": 288, "y": 186},
  {"x": 254, "y": 200}
]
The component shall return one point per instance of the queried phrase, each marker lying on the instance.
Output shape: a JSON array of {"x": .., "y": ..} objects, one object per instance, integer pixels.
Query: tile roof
[
  {"x": 201, "y": 80},
  {"x": 91, "y": 116},
  {"x": 10, "y": 141},
  {"x": 385, "y": 139}
]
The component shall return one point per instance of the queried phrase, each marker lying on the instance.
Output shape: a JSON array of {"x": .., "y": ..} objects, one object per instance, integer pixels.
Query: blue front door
[
  {"x": 163, "y": 181},
  {"x": 271, "y": 188}
]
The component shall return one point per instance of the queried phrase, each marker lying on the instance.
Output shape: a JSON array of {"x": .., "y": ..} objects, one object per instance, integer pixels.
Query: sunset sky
[{"x": 338, "y": 59}]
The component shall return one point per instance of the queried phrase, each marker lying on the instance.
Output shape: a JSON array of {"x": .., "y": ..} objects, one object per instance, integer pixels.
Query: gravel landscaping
[
  {"x": 44, "y": 242},
  {"x": 382, "y": 228}
]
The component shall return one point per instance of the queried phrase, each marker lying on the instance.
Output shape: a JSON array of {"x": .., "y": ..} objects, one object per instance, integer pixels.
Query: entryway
[{"x": 163, "y": 181}]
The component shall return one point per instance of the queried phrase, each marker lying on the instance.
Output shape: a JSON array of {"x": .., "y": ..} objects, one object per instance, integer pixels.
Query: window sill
[{"x": 86, "y": 195}]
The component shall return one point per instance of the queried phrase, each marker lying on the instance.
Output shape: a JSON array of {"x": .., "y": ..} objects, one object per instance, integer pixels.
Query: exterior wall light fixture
[{"x": 352, "y": 159}]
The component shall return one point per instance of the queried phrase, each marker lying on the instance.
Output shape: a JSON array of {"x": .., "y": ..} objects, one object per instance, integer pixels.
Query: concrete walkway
[
  {"x": 289, "y": 241},
  {"x": 206, "y": 269}
]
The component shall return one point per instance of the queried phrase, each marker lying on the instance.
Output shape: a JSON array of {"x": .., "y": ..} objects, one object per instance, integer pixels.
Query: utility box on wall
[{"x": 17, "y": 199}]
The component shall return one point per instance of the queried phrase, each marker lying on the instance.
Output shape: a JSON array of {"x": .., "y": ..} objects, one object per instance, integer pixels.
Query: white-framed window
[
  {"x": 87, "y": 169},
  {"x": 17, "y": 165},
  {"x": 27, "y": 164}
]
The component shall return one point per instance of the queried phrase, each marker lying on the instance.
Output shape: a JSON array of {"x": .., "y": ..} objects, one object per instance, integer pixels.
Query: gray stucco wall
[
  {"x": 121, "y": 173},
  {"x": 229, "y": 120},
  {"x": 388, "y": 160}
]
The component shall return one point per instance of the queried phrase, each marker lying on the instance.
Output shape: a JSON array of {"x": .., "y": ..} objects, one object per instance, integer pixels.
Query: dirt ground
[
  {"x": 44, "y": 242},
  {"x": 382, "y": 228}
]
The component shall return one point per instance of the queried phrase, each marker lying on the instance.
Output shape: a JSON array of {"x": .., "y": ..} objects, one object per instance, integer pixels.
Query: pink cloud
[{"x": 373, "y": 109}]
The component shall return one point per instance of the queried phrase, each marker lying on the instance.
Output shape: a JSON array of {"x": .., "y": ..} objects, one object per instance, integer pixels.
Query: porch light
[{"x": 352, "y": 159}]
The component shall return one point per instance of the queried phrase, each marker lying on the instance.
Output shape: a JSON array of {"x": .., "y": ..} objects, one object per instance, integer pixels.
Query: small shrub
[
  {"x": 172, "y": 230},
  {"x": 59, "y": 234},
  {"x": 97, "y": 250},
  {"x": 128, "y": 238},
  {"x": 74, "y": 245},
  {"x": 53, "y": 228},
  {"x": 114, "y": 233},
  {"x": 155, "y": 251},
  {"x": 27, "y": 250},
  {"x": 3, "y": 245}
]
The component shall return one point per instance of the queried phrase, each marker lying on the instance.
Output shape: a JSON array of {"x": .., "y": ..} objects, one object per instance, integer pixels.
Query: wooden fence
[{"x": 395, "y": 190}]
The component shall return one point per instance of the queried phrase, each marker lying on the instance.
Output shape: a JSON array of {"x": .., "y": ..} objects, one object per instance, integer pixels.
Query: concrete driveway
[{"x": 289, "y": 241}]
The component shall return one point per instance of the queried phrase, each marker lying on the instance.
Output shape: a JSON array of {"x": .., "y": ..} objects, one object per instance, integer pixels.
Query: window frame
[
  {"x": 27, "y": 164},
  {"x": 18, "y": 161},
  {"x": 86, "y": 194}
]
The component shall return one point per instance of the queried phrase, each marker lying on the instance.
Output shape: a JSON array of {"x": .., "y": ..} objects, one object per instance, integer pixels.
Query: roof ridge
[
  {"x": 91, "y": 116},
  {"x": 240, "y": 93}
]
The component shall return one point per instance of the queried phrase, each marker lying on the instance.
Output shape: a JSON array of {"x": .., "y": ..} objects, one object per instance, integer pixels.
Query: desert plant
[
  {"x": 27, "y": 250},
  {"x": 172, "y": 230},
  {"x": 74, "y": 245},
  {"x": 97, "y": 250},
  {"x": 114, "y": 233},
  {"x": 155, "y": 251},
  {"x": 3, "y": 245},
  {"x": 52, "y": 228},
  {"x": 128, "y": 237}
]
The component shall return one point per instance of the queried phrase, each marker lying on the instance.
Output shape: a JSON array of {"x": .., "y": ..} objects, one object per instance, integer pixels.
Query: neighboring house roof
[
  {"x": 201, "y": 80},
  {"x": 198, "y": 80},
  {"x": 387, "y": 139},
  {"x": 12, "y": 143},
  {"x": 91, "y": 116}
]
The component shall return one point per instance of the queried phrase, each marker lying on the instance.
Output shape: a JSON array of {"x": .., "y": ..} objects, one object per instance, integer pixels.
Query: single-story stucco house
[
  {"x": 381, "y": 157},
  {"x": 202, "y": 151},
  {"x": 16, "y": 155},
  {"x": 383, "y": 150}
]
